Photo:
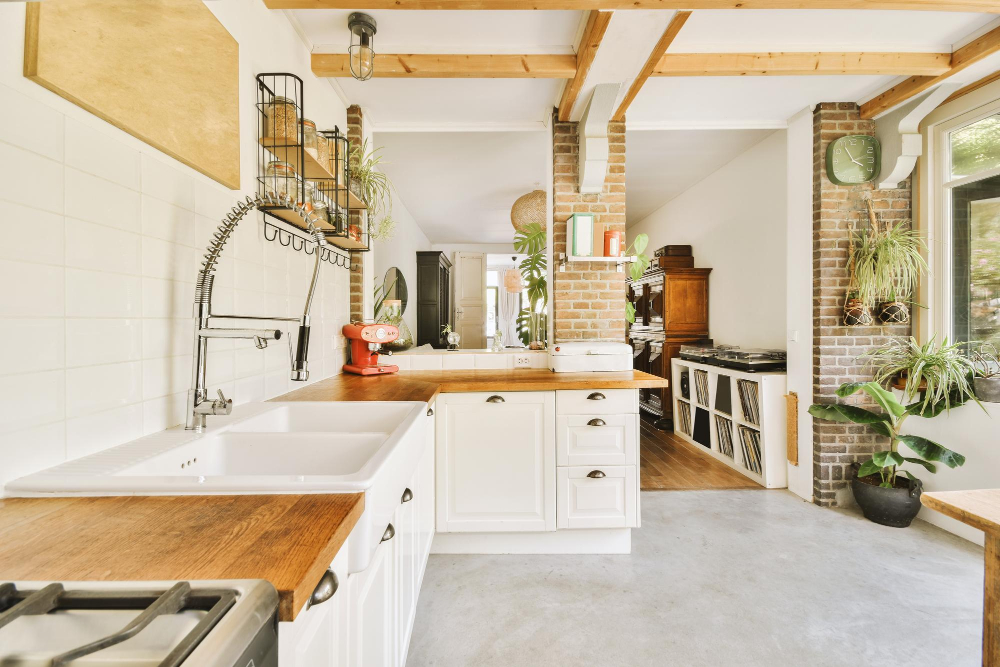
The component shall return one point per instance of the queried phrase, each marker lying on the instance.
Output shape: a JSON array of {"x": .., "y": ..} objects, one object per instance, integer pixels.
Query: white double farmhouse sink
[{"x": 264, "y": 448}]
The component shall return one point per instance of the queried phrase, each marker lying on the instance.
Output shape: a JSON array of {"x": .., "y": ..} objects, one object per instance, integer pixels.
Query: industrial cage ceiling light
[{"x": 362, "y": 48}]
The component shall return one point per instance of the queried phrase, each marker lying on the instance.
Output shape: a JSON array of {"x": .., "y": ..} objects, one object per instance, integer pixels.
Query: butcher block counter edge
[
  {"x": 288, "y": 539},
  {"x": 425, "y": 385}
]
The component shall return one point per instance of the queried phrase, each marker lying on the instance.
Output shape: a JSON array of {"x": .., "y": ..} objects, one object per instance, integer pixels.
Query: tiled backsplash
[{"x": 100, "y": 243}]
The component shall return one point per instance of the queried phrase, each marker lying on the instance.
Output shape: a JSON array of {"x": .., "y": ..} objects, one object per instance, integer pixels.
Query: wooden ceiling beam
[
  {"x": 982, "y": 47},
  {"x": 987, "y": 6},
  {"x": 800, "y": 64},
  {"x": 590, "y": 42},
  {"x": 677, "y": 22},
  {"x": 975, "y": 85},
  {"x": 453, "y": 66}
]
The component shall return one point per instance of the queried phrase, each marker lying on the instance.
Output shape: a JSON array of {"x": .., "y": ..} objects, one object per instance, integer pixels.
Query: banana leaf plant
[{"x": 889, "y": 423}]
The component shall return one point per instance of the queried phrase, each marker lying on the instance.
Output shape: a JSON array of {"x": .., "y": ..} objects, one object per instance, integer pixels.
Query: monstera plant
[{"x": 529, "y": 240}]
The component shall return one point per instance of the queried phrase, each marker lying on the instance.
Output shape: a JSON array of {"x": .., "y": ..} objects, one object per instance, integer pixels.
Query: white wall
[
  {"x": 735, "y": 218},
  {"x": 798, "y": 277},
  {"x": 974, "y": 433},
  {"x": 401, "y": 251},
  {"x": 102, "y": 237}
]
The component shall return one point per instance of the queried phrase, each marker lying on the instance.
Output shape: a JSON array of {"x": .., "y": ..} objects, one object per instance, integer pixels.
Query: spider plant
[
  {"x": 887, "y": 263},
  {"x": 940, "y": 370},
  {"x": 374, "y": 188}
]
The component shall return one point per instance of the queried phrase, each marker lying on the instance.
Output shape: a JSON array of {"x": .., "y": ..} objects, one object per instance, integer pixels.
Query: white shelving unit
[
  {"x": 564, "y": 258},
  {"x": 770, "y": 431}
]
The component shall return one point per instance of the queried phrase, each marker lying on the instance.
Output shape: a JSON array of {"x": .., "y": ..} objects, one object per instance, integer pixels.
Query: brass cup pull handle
[
  {"x": 325, "y": 589},
  {"x": 596, "y": 474},
  {"x": 430, "y": 412},
  {"x": 495, "y": 399},
  {"x": 390, "y": 532},
  {"x": 407, "y": 496},
  {"x": 596, "y": 396},
  {"x": 597, "y": 422}
]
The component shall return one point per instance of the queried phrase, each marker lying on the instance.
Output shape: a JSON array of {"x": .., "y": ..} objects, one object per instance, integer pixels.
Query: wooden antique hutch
[{"x": 671, "y": 309}]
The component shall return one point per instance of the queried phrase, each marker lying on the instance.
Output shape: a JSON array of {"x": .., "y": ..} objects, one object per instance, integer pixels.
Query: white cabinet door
[
  {"x": 425, "y": 497},
  {"x": 406, "y": 568},
  {"x": 604, "y": 497},
  {"x": 319, "y": 635},
  {"x": 373, "y": 610},
  {"x": 496, "y": 462}
]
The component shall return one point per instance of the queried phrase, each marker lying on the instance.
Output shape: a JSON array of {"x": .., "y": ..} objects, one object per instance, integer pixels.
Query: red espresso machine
[{"x": 366, "y": 339}]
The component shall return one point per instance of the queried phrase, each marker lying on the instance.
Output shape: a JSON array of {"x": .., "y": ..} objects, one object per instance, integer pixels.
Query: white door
[
  {"x": 373, "y": 610},
  {"x": 470, "y": 299},
  {"x": 496, "y": 459}
]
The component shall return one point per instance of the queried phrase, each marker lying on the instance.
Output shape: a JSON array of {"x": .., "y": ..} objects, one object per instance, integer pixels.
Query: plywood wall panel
[{"x": 165, "y": 71}]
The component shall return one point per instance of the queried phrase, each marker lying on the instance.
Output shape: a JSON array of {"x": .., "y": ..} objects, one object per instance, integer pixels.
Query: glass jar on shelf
[
  {"x": 309, "y": 141},
  {"x": 281, "y": 181},
  {"x": 282, "y": 119},
  {"x": 317, "y": 199},
  {"x": 323, "y": 151}
]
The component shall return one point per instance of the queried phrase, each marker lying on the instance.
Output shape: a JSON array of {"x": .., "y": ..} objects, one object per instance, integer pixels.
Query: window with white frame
[{"x": 970, "y": 224}]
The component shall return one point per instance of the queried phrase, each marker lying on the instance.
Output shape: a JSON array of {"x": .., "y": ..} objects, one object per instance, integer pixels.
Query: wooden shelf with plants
[
  {"x": 305, "y": 165},
  {"x": 735, "y": 417}
]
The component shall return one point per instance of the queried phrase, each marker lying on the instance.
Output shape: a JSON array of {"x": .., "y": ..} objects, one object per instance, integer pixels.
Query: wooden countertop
[
  {"x": 425, "y": 385},
  {"x": 979, "y": 508},
  {"x": 289, "y": 540}
]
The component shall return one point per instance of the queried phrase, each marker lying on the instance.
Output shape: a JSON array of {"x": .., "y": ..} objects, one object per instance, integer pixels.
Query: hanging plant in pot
[
  {"x": 887, "y": 261},
  {"x": 887, "y": 493},
  {"x": 374, "y": 188}
]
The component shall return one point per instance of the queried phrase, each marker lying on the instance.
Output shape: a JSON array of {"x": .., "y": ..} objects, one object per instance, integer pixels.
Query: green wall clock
[{"x": 853, "y": 159}]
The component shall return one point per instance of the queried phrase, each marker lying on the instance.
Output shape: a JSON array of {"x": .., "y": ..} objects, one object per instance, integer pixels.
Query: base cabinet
[
  {"x": 369, "y": 620},
  {"x": 496, "y": 459}
]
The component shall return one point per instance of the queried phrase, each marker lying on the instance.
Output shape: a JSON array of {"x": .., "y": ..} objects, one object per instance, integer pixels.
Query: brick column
[
  {"x": 355, "y": 137},
  {"x": 588, "y": 299},
  {"x": 836, "y": 347}
]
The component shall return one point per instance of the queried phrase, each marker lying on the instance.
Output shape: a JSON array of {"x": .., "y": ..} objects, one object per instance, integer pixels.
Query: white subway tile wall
[{"x": 102, "y": 240}]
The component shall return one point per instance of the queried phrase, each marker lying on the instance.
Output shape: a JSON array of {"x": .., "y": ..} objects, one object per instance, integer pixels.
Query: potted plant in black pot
[
  {"x": 986, "y": 359},
  {"x": 938, "y": 378}
]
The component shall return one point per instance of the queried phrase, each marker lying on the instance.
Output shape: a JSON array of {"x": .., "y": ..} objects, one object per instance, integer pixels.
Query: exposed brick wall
[
  {"x": 836, "y": 347},
  {"x": 355, "y": 136},
  {"x": 588, "y": 299}
]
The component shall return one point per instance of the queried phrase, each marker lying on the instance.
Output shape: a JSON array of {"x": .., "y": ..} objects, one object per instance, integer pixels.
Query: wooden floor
[{"x": 668, "y": 463}]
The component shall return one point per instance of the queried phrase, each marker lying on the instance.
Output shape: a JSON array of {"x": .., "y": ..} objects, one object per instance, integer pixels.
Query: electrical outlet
[{"x": 522, "y": 361}]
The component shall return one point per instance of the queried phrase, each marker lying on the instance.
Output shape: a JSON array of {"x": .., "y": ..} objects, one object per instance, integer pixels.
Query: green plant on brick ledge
[{"x": 887, "y": 493}]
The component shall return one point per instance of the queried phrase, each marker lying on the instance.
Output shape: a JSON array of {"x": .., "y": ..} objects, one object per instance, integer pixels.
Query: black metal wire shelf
[{"x": 318, "y": 176}]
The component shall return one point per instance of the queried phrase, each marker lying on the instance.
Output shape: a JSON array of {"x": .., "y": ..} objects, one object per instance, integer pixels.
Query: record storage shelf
[{"x": 769, "y": 431}]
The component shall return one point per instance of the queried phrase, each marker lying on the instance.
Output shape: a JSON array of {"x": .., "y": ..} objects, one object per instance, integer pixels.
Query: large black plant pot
[{"x": 890, "y": 507}]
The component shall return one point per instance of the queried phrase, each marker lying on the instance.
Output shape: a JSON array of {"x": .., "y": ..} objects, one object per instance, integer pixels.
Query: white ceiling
[
  {"x": 459, "y": 186},
  {"x": 663, "y": 164}
]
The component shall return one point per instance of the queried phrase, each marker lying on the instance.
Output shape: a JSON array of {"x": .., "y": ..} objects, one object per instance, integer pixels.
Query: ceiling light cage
[
  {"x": 529, "y": 208},
  {"x": 362, "y": 49}
]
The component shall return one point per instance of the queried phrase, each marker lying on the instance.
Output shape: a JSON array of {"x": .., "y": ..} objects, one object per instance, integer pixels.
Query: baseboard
[{"x": 598, "y": 541}]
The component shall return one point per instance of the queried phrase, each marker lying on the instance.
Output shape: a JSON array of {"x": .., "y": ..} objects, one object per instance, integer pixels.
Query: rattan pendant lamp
[{"x": 529, "y": 208}]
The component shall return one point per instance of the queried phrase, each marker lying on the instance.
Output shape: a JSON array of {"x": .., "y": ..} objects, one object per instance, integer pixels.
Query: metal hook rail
[{"x": 300, "y": 243}]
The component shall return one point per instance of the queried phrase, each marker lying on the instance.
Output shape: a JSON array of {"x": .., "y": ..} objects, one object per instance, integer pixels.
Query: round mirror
[{"x": 394, "y": 286}]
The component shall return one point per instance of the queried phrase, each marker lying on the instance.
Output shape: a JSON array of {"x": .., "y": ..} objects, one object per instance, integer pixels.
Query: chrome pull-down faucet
[{"x": 199, "y": 405}]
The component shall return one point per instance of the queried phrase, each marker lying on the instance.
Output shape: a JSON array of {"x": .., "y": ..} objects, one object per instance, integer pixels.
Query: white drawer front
[
  {"x": 590, "y": 401},
  {"x": 587, "y": 500},
  {"x": 583, "y": 440}
]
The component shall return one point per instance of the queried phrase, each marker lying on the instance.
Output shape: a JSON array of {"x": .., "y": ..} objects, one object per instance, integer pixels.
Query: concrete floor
[{"x": 715, "y": 578}]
